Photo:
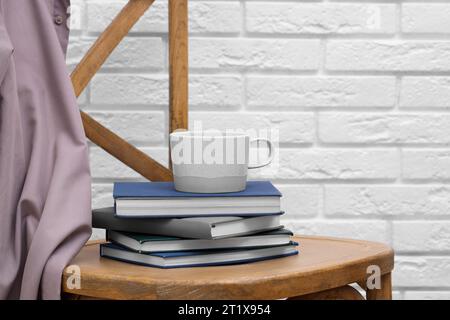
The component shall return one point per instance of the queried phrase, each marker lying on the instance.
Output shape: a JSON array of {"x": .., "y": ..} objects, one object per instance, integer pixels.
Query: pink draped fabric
[{"x": 45, "y": 191}]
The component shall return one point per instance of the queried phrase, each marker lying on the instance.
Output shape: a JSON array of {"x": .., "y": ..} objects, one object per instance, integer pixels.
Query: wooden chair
[{"x": 322, "y": 270}]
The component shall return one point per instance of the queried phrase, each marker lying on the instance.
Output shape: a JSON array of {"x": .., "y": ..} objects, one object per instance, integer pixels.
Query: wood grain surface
[{"x": 178, "y": 64}]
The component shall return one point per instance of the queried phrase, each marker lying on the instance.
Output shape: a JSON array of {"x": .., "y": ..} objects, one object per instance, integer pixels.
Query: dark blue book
[
  {"x": 196, "y": 258},
  {"x": 167, "y": 190},
  {"x": 141, "y": 242},
  {"x": 160, "y": 199}
]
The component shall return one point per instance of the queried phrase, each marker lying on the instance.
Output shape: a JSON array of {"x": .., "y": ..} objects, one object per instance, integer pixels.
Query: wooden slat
[
  {"x": 107, "y": 42},
  {"x": 85, "y": 71},
  {"x": 125, "y": 152},
  {"x": 178, "y": 65},
  {"x": 178, "y": 60}
]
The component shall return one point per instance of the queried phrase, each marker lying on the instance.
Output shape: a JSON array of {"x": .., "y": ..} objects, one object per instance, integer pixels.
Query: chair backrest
[{"x": 178, "y": 87}]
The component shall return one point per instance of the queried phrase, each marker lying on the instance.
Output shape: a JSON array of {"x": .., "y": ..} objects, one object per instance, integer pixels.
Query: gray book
[{"x": 195, "y": 228}]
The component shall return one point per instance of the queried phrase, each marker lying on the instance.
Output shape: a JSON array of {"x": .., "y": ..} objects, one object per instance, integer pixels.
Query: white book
[
  {"x": 161, "y": 200},
  {"x": 163, "y": 207}
]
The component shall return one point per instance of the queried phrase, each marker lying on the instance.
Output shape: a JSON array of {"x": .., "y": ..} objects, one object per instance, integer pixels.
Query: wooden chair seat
[{"x": 323, "y": 269}]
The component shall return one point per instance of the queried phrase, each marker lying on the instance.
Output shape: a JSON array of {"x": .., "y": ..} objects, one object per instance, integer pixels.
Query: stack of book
[{"x": 153, "y": 224}]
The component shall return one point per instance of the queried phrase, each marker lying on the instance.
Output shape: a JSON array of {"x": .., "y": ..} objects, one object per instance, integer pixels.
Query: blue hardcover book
[
  {"x": 167, "y": 190},
  {"x": 160, "y": 199},
  {"x": 196, "y": 258}
]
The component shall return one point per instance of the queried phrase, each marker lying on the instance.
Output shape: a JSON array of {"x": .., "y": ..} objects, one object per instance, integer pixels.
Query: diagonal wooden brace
[{"x": 85, "y": 71}]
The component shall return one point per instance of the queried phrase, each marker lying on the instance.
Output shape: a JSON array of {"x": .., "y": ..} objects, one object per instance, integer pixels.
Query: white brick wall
[{"x": 360, "y": 93}]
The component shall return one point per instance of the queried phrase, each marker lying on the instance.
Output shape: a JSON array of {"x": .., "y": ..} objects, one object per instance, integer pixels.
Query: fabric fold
[{"x": 45, "y": 186}]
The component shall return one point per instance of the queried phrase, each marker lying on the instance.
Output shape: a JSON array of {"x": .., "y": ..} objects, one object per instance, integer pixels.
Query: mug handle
[{"x": 271, "y": 153}]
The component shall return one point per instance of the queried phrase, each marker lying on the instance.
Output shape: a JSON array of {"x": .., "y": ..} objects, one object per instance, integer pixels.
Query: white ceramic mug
[{"x": 213, "y": 162}]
